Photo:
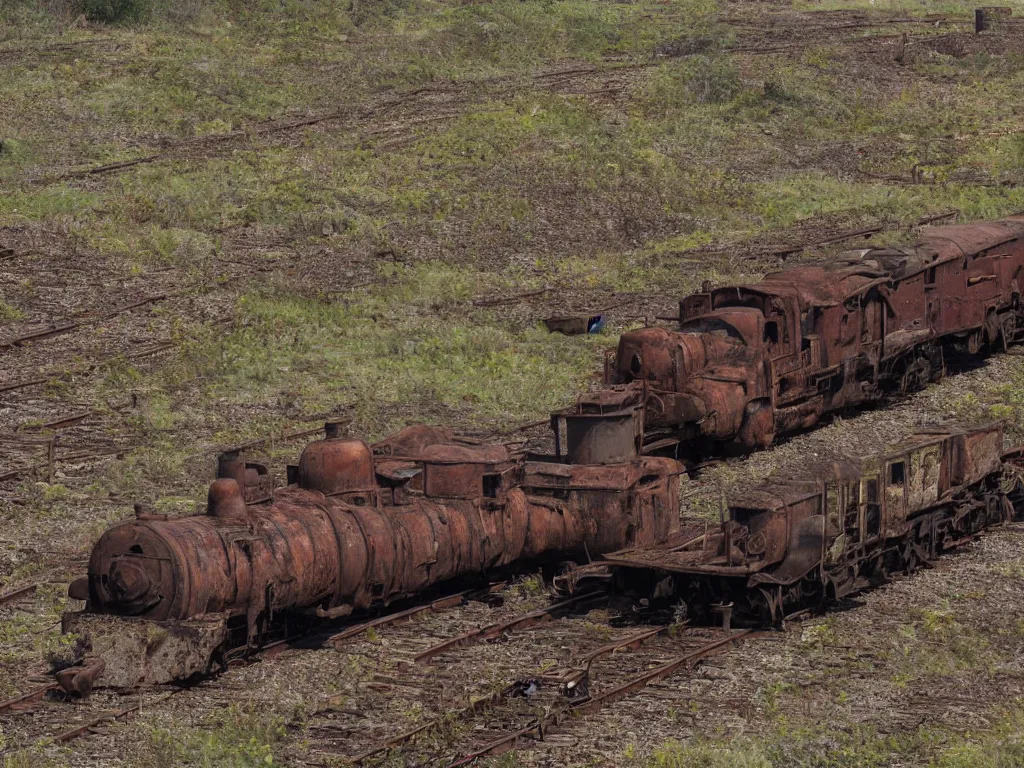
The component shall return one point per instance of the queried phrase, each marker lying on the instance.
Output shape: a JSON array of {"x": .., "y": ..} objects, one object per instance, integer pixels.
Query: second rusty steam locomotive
[{"x": 751, "y": 362}]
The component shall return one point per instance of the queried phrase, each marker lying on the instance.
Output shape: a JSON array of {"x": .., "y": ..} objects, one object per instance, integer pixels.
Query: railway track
[
  {"x": 44, "y": 713},
  {"x": 36, "y": 718},
  {"x": 538, "y": 674},
  {"x": 626, "y": 676}
]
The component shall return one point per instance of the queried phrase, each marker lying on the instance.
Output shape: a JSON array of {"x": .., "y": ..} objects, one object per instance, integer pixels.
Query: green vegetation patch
[
  {"x": 1001, "y": 746},
  {"x": 238, "y": 738},
  {"x": 416, "y": 343}
]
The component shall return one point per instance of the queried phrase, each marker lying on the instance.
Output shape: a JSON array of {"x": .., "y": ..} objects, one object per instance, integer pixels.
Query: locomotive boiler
[
  {"x": 828, "y": 531},
  {"x": 751, "y": 362},
  {"x": 355, "y": 529}
]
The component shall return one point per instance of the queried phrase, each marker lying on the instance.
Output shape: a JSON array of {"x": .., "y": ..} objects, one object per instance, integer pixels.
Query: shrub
[
  {"x": 366, "y": 12},
  {"x": 115, "y": 11},
  {"x": 712, "y": 79}
]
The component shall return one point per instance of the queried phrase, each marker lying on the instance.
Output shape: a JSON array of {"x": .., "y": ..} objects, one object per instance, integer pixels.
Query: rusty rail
[
  {"x": 487, "y": 702},
  {"x": 937, "y": 217},
  {"x": 632, "y": 642},
  {"x": 56, "y": 330},
  {"x": 52, "y": 459},
  {"x": 24, "y": 699},
  {"x": 14, "y": 594},
  {"x": 154, "y": 349},
  {"x": 836, "y": 238},
  {"x": 268, "y": 651},
  {"x": 60, "y": 423},
  {"x": 282, "y": 437},
  {"x": 474, "y": 707},
  {"x": 406, "y": 615},
  {"x": 492, "y": 631},
  {"x": 539, "y": 727},
  {"x": 82, "y": 730},
  {"x": 849, "y": 235},
  {"x": 660, "y": 673}
]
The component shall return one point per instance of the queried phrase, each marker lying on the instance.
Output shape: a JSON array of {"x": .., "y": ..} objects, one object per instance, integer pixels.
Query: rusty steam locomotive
[
  {"x": 356, "y": 528},
  {"x": 831, "y": 529},
  {"x": 751, "y": 362},
  {"x": 360, "y": 527}
]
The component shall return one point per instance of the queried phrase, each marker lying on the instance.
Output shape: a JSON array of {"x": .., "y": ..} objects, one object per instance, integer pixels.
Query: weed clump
[
  {"x": 9, "y": 313},
  {"x": 116, "y": 11}
]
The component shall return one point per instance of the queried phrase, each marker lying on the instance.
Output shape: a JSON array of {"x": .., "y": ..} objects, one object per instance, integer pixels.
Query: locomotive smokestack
[
  {"x": 332, "y": 430},
  {"x": 226, "y": 462},
  {"x": 231, "y": 466}
]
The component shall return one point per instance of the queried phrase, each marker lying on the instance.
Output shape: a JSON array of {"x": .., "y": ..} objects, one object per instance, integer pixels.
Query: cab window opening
[
  {"x": 897, "y": 473},
  {"x": 492, "y": 483}
]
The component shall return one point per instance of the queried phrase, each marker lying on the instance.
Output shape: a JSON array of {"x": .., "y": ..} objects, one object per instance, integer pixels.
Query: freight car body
[
  {"x": 751, "y": 362},
  {"x": 355, "y": 529},
  {"x": 832, "y": 529}
]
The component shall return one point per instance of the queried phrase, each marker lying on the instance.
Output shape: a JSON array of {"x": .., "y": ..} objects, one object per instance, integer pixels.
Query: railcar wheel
[
  {"x": 810, "y": 593},
  {"x": 892, "y": 562},
  {"x": 909, "y": 559},
  {"x": 1008, "y": 329},
  {"x": 758, "y": 427}
]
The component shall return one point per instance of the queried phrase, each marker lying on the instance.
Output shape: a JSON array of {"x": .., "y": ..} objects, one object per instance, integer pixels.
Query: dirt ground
[{"x": 229, "y": 226}]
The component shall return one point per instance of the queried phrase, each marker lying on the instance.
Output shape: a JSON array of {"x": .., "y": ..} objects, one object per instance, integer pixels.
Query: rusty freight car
[
  {"x": 751, "y": 362},
  {"x": 830, "y": 530},
  {"x": 355, "y": 529}
]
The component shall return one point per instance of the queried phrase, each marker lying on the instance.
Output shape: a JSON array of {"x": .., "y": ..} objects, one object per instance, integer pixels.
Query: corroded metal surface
[
  {"x": 834, "y": 528},
  {"x": 360, "y": 528},
  {"x": 750, "y": 362}
]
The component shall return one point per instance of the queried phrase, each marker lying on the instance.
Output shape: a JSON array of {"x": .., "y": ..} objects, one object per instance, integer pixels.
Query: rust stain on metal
[
  {"x": 360, "y": 528},
  {"x": 832, "y": 528},
  {"x": 748, "y": 363}
]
